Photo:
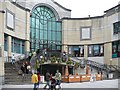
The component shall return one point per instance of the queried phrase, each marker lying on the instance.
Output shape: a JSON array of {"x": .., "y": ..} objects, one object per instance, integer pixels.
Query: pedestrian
[
  {"x": 26, "y": 69},
  {"x": 38, "y": 74},
  {"x": 29, "y": 68},
  {"x": 23, "y": 68},
  {"x": 47, "y": 76},
  {"x": 58, "y": 78},
  {"x": 13, "y": 59},
  {"x": 35, "y": 80},
  {"x": 53, "y": 82}
]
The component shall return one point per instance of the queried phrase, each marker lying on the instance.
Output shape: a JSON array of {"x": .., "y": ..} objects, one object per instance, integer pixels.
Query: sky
[{"x": 83, "y": 8}]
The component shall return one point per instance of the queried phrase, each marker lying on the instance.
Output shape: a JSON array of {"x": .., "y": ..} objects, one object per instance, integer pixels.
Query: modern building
[{"x": 38, "y": 24}]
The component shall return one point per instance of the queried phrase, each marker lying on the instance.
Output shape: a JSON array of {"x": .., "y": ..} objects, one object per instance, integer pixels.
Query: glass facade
[
  {"x": 95, "y": 50},
  {"x": 17, "y": 45},
  {"x": 5, "y": 42},
  {"x": 116, "y": 49},
  {"x": 116, "y": 27},
  {"x": 45, "y": 31},
  {"x": 76, "y": 51}
]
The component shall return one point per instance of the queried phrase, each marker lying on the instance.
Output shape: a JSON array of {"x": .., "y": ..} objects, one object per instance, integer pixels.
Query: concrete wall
[
  {"x": 22, "y": 25},
  {"x": 101, "y": 33}
]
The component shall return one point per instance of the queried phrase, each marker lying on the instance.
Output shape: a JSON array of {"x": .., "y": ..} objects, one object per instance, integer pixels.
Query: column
[
  {"x": 85, "y": 52},
  {"x": 1, "y": 44},
  {"x": 9, "y": 45},
  {"x": 107, "y": 53},
  {"x": 27, "y": 42},
  {"x": 27, "y": 46}
]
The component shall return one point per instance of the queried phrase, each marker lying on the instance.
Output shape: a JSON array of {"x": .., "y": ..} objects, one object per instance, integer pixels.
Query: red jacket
[{"x": 38, "y": 77}]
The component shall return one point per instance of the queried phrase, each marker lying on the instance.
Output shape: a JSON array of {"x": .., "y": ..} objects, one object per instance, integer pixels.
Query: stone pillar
[
  {"x": 65, "y": 48},
  {"x": 27, "y": 42},
  {"x": 85, "y": 52},
  {"x": 9, "y": 45},
  {"x": 107, "y": 53},
  {"x": 27, "y": 46},
  {"x": 2, "y": 19}
]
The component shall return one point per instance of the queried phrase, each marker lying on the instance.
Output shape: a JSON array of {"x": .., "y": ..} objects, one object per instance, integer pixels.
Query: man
[
  {"x": 47, "y": 79},
  {"x": 35, "y": 80},
  {"x": 13, "y": 59},
  {"x": 58, "y": 78}
]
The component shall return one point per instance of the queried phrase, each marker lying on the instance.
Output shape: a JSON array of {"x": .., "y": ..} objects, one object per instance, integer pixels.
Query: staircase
[
  {"x": 106, "y": 69},
  {"x": 12, "y": 77}
]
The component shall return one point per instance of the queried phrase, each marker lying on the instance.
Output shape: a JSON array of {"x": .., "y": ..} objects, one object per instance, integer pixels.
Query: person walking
[
  {"x": 23, "y": 70},
  {"x": 47, "y": 80},
  {"x": 35, "y": 80},
  {"x": 13, "y": 59},
  {"x": 58, "y": 78},
  {"x": 38, "y": 74},
  {"x": 26, "y": 69}
]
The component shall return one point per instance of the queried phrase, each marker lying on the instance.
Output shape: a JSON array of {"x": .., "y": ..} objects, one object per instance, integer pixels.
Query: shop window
[
  {"x": 76, "y": 51},
  {"x": 116, "y": 49},
  {"x": 95, "y": 50}
]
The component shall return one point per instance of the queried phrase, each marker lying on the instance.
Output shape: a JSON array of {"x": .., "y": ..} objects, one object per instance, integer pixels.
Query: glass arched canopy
[{"x": 45, "y": 31}]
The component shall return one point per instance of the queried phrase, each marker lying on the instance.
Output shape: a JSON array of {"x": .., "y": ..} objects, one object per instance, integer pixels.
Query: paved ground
[{"x": 108, "y": 84}]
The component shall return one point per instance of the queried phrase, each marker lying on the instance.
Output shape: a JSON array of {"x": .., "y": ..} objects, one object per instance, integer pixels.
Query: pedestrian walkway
[{"x": 96, "y": 84}]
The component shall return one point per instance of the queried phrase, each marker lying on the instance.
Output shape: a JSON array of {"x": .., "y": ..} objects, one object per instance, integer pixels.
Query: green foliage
[
  {"x": 42, "y": 61},
  {"x": 59, "y": 60},
  {"x": 76, "y": 65},
  {"x": 53, "y": 59},
  {"x": 69, "y": 62}
]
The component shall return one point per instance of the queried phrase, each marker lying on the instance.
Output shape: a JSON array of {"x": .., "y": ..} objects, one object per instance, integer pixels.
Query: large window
[
  {"x": 17, "y": 46},
  {"x": 116, "y": 49},
  {"x": 45, "y": 31},
  {"x": 116, "y": 27},
  {"x": 76, "y": 51},
  {"x": 95, "y": 50}
]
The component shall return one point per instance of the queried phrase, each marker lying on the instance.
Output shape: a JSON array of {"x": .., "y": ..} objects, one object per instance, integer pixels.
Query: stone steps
[{"x": 12, "y": 77}]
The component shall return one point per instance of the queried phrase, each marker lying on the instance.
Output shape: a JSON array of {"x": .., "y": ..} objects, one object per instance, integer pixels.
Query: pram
[{"x": 53, "y": 83}]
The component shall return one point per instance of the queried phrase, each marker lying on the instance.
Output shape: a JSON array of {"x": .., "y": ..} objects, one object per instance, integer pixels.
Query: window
[
  {"x": 76, "y": 51},
  {"x": 17, "y": 45},
  {"x": 45, "y": 31},
  {"x": 116, "y": 27},
  {"x": 5, "y": 42},
  {"x": 85, "y": 33},
  {"x": 95, "y": 50},
  {"x": 116, "y": 49},
  {"x": 10, "y": 20}
]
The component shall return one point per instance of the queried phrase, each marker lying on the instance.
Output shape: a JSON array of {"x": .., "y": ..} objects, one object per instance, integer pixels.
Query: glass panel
[
  {"x": 58, "y": 38},
  {"x": 41, "y": 34},
  {"x": 45, "y": 35},
  {"x": 44, "y": 27},
  {"x": 96, "y": 50},
  {"x": 53, "y": 36}
]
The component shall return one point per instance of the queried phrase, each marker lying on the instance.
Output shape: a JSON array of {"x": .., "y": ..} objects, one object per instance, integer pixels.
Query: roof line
[
  {"x": 112, "y": 8},
  {"x": 85, "y": 18},
  {"x": 61, "y": 6}
]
